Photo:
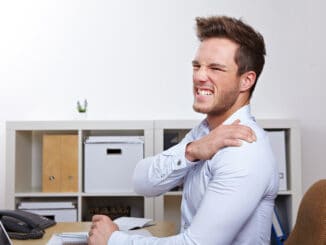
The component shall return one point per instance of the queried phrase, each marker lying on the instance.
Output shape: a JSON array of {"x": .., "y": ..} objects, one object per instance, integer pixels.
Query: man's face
[{"x": 215, "y": 80}]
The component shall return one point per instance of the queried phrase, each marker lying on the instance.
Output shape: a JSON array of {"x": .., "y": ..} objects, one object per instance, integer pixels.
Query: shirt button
[{"x": 179, "y": 162}]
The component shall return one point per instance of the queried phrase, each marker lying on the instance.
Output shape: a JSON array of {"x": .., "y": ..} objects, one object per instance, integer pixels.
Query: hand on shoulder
[{"x": 222, "y": 136}]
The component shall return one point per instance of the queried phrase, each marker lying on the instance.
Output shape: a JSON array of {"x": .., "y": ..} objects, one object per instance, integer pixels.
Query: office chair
[{"x": 310, "y": 226}]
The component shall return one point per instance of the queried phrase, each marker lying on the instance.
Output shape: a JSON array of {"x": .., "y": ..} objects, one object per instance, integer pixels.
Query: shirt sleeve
[
  {"x": 160, "y": 173},
  {"x": 233, "y": 193},
  {"x": 120, "y": 237}
]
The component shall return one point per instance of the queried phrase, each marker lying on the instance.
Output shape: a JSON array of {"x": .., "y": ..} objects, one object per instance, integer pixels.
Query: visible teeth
[{"x": 204, "y": 92}]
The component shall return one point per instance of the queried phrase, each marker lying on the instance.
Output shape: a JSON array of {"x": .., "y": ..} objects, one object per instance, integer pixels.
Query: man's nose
[{"x": 200, "y": 75}]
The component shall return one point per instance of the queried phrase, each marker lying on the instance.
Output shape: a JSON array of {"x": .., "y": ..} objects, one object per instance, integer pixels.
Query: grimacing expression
[{"x": 216, "y": 84}]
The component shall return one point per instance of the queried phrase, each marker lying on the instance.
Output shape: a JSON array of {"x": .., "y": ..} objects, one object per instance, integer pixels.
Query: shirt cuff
[
  {"x": 178, "y": 154},
  {"x": 118, "y": 237}
]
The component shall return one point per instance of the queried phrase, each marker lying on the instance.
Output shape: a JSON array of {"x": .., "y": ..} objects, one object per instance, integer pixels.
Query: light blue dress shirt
[{"x": 226, "y": 200}]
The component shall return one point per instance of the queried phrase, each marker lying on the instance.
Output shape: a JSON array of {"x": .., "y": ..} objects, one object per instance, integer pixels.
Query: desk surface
[{"x": 160, "y": 229}]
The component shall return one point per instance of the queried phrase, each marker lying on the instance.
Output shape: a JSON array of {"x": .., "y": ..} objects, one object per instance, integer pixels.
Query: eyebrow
[
  {"x": 194, "y": 62},
  {"x": 224, "y": 67}
]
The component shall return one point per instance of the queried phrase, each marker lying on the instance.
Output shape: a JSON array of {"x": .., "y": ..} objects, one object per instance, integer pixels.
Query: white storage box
[
  {"x": 60, "y": 211},
  {"x": 59, "y": 215},
  {"x": 110, "y": 162},
  {"x": 277, "y": 139}
]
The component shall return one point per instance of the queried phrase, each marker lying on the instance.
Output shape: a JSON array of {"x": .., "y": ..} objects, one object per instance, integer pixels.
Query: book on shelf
[
  {"x": 60, "y": 163},
  {"x": 278, "y": 234}
]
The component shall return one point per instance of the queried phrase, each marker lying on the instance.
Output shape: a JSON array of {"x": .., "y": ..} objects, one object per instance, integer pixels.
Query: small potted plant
[{"x": 82, "y": 109}]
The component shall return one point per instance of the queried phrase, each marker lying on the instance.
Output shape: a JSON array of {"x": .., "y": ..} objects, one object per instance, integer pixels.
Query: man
[{"x": 229, "y": 186}]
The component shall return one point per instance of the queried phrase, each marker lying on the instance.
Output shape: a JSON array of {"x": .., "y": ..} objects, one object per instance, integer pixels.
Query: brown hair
[{"x": 250, "y": 55}]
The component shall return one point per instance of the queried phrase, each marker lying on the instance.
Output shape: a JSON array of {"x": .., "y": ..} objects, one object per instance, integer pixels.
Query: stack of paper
[
  {"x": 45, "y": 205},
  {"x": 76, "y": 238},
  {"x": 125, "y": 224}
]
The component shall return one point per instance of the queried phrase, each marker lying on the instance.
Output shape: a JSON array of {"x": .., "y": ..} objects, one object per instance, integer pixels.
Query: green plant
[{"x": 82, "y": 108}]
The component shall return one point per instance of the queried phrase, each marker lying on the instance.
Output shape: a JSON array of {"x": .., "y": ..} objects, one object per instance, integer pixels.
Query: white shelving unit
[
  {"x": 24, "y": 164},
  {"x": 167, "y": 207}
]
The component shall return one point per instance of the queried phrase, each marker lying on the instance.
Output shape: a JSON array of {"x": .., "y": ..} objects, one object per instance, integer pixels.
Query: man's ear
[{"x": 247, "y": 80}]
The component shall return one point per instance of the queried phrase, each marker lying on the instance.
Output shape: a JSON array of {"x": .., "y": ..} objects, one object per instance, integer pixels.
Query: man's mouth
[{"x": 203, "y": 91}]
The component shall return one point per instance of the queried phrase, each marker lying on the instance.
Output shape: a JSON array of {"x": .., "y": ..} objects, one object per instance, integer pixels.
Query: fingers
[
  {"x": 92, "y": 229},
  {"x": 244, "y": 133},
  {"x": 233, "y": 142},
  {"x": 93, "y": 237},
  {"x": 93, "y": 226},
  {"x": 236, "y": 131},
  {"x": 236, "y": 122},
  {"x": 99, "y": 217},
  {"x": 247, "y": 136},
  {"x": 250, "y": 136}
]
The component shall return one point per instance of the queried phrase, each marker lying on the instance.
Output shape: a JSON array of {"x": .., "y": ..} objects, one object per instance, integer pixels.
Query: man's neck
[{"x": 216, "y": 120}]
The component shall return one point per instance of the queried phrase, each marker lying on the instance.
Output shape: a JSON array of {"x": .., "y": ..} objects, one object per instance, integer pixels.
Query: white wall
[{"x": 132, "y": 60}]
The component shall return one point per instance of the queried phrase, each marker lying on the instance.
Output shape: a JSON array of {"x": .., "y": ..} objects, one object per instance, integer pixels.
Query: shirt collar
[{"x": 243, "y": 113}]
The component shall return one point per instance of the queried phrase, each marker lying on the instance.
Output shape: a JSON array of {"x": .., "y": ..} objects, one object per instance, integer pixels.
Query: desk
[{"x": 160, "y": 229}]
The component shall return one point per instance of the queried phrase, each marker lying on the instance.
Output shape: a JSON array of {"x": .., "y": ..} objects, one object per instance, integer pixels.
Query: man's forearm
[{"x": 158, "y": 174}]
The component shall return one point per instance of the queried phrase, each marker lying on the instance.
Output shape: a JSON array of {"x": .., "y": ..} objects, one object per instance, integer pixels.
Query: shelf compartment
[
  {"x": 28, "y": 158},
  {"x": 283, "y": 204},
  {"x": 112, "y": 206},
  {"x": 172, "y": 137}
]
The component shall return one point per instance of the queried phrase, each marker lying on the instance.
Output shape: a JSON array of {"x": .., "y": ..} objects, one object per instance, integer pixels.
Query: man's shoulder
[
  {"x": 248, "y": 154},
  {"x": 259, "y": 131}
]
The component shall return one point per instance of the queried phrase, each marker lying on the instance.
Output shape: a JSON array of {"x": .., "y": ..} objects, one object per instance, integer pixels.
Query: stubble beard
[{"x": 219, "y": 107}]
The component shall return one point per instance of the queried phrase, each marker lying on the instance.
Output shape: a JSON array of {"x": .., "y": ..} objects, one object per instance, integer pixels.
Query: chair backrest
[{"x": 310, "y": 226}]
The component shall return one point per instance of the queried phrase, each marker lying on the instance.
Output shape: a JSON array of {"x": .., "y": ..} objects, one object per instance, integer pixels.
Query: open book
[{"x": 130, "y": 223}]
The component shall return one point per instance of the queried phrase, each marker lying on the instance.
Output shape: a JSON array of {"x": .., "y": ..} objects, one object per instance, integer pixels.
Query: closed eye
[
  {"x": 195, "y": 67},
  {"x": 215, "y": 68}
]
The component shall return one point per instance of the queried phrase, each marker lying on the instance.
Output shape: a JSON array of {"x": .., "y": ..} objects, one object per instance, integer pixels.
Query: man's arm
[
  {"x": 159, "y": 174},
  {"x": 116, "y": 237},
  {"x": 230, "y": 199}
]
